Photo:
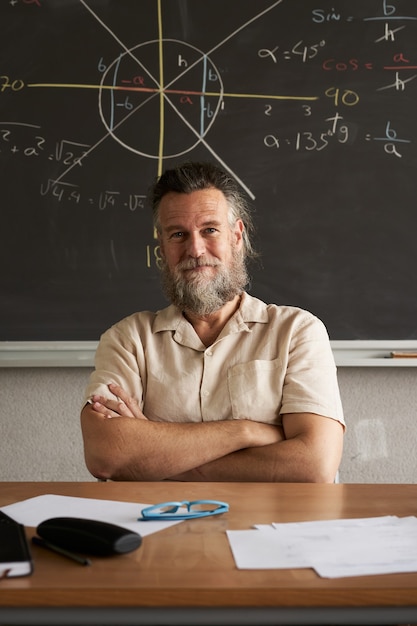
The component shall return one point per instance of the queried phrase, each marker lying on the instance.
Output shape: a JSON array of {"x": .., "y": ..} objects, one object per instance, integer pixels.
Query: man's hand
[{"x": 122, "y": 406}]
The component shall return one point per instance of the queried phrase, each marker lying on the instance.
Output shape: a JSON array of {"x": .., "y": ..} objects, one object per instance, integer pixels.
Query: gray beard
[{"x": 200, "y": 295}]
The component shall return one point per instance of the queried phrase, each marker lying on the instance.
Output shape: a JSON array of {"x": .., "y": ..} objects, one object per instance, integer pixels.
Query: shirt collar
[{"x": 251, "y": 309}]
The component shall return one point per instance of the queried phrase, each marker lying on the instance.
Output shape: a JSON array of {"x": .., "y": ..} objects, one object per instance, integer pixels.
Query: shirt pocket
[
  {"x": 173, "y": 396},
  {"x": 255, "y": 390}
]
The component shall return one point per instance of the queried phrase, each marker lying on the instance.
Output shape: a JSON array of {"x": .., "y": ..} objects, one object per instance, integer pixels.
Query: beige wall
[{"x": 40, "y": 436}]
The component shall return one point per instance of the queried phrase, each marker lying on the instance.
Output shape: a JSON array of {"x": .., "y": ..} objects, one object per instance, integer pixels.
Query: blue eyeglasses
[{"x": 183, "y": 510}]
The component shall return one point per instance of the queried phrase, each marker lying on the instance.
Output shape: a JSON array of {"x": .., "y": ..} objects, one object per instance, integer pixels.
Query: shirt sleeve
[
  {"x": 311, "y": 384},
  {"x": 116, "y": 361}
]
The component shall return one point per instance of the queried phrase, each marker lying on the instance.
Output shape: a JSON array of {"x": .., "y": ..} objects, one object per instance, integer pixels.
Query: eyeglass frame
[{"x": 152, "y": 513}]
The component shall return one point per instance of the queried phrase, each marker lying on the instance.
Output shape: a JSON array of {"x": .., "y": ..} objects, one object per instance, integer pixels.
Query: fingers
[
  {"x": 100, "y": 408},
  {"x": 130, "y": 403},
  {"x": 109, "y": 408},
  {"x": 120, "y": 405},
  {"x": 119, "y": 392}
]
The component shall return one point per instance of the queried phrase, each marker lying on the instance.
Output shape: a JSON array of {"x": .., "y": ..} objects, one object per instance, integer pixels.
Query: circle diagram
[{"x": 160, "y": 96}]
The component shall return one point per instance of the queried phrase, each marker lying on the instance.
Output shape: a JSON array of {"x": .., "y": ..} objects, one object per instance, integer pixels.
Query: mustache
[{"x": 190, "y": 264}]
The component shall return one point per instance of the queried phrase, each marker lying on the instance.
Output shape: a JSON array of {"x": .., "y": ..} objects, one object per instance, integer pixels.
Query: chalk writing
[{"x": 104, "y": 200}]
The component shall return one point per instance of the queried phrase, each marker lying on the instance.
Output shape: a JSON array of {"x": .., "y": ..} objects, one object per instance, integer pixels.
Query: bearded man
[{"x": 218, "y": 386}]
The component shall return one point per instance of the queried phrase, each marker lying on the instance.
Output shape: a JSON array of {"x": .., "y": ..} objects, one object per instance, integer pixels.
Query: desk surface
[{"x": 191, "y": 565}]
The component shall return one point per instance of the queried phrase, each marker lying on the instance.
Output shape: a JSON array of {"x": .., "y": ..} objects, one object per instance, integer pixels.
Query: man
[{"x": 219, "y": 386}]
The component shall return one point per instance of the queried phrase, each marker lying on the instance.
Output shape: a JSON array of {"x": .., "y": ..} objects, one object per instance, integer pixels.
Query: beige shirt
[{"x": 268, "y": 360}]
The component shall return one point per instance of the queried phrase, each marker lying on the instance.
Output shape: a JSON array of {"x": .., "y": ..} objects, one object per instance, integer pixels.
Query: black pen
[{"x": 70, "y": 555}]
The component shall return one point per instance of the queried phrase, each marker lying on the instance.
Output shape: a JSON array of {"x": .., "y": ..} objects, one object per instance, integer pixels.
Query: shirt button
[
  {"x": 206, "y": 393},
  {"x": 209, "y": 353}
]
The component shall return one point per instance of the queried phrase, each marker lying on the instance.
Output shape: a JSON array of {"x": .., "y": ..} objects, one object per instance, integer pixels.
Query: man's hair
[{"x": 192, "y": 176}]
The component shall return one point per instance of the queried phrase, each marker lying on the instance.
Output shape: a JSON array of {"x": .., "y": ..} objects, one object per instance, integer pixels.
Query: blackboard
[{"x": 311, "y": 105}]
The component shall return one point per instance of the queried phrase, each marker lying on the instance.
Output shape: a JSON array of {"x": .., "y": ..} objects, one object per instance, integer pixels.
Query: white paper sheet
[
  {"x": 264, "y": 549},
  {"x": 35, "y": 510},
  {"x": 334, "y": 548}
]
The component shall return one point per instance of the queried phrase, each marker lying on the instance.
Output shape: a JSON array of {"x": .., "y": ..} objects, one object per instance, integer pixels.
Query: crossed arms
[{"x": 120, "y": 443}]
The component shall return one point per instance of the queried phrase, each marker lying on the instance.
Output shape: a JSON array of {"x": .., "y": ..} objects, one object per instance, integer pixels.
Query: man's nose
[{"x": 195, "y": 245}]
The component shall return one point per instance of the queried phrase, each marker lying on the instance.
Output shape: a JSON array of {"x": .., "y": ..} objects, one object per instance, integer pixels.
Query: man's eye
[
  {"x": 177, "y": 235},
  {"x": 211, "y": 230}
]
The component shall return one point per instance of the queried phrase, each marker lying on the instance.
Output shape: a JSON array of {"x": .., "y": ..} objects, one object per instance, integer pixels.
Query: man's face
[{"x": 203, "y": 265}]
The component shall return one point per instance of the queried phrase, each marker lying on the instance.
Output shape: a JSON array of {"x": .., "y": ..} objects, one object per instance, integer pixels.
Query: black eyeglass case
[{"x": 88, "y": 536}]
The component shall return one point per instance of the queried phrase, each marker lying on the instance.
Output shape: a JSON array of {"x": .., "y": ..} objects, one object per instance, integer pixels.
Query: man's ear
[
  {"x": 239, "y": 228},
  {"x": 160, "y": 243}
]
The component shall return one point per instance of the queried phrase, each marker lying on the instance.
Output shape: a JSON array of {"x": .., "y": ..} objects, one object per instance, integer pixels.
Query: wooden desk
[{"x": 186, "y": 574}]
